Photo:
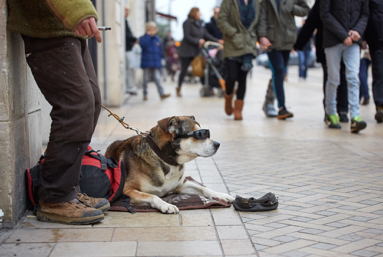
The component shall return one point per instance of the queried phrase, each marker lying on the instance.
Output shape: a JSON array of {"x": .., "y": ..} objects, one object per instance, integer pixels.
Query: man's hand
[
  {"x": 88, "y": 27},
  {"x": 348, "y": 41},
  {"x": 364, "y": 45},
  {"x": 201, "y": 42},
  {"x": 355, "y": 36},
  {"x": 264, "y": 43},
  {"x": 221, "y": 41}
]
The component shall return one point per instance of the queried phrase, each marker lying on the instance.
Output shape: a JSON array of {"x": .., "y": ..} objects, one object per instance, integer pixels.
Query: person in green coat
[
  {"x": 277, "y": 33},
  {"x": 54, "y": 33},
  {"x": 237, "y": 21}
]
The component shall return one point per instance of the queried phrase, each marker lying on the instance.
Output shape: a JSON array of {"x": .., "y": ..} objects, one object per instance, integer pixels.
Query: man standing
[
  {"x": 344, "y": 22},
  {"x": 54, "y": 33},
  {"x": 130, "y": 40},
  {"x": 374, "y": 37},
  {"x": 212, "y": 27}
]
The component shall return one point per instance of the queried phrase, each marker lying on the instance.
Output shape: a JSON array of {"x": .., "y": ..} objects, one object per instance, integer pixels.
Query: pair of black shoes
[{"x": 268, "y": 202}]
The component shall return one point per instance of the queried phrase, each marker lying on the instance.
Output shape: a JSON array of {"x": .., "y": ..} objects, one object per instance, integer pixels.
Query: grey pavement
[{"x": 329, "y": 184}]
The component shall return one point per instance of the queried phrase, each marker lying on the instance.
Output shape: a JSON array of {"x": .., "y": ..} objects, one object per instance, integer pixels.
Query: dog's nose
[{"x": 216, "y": 145}]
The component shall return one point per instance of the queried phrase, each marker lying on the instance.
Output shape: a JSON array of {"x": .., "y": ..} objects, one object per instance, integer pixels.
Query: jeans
[
  {"x": 278, "y": 61},
  {"x": 67, "y": 79},
  {"x": 303, "y": 63},
  {"x": 377, "y": 76},
  {"x": 341, "y": 98},
  {"x": 363, "y": 76},
  {"x": 151, "y": 74},
  {"x": 235, "y": 74},
  {"x": 351, "y": 59}
]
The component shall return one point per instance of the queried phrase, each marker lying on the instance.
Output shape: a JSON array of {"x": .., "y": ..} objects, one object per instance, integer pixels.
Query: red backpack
[{"x": 101, "y": 177}]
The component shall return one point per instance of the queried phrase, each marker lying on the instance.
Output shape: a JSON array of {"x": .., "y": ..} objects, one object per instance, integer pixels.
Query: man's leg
[
  {"x": 363, "y": 77},
  {"x": 351, "y": 59},
  {"x": 157, "y": 76},
  {"x": 307, "y": 58},
  {"x": 301, "y": 61},
  {"x": 333, "y": 57},
  {"x": 278, "y": 70},
  {"x": 377, "y": 82},
  {"x": 341, "y": 97},
  {"x": 145, "y": 82}
]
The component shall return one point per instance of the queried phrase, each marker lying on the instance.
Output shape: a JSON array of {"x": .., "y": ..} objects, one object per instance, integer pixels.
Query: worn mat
[{"x": 182, "y": 201}]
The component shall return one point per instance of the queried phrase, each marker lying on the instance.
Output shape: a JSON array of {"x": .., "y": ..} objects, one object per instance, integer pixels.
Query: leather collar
[{"x": 159, "y": 152}]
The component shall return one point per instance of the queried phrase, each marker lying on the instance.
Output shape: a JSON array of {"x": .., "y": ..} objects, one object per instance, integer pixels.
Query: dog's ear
[
  {"x": 169, "y": 125},
  {"x": 192, "y": 117}
]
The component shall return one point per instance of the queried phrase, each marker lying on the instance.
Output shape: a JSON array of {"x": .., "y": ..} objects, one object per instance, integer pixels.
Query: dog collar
[{"x": 163, "y": 156}]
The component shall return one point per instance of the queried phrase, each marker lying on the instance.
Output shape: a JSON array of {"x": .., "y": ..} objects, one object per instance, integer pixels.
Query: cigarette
[{"x": 104, "y": 28}]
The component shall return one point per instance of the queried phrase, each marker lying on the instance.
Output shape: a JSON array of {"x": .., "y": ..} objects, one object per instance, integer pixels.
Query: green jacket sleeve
[
  {"x": 301, "y": 9},
  {"x": 262, "y": 23},
  {"x": 72, "y": 12},
  {"x": 222, "y": 20}
]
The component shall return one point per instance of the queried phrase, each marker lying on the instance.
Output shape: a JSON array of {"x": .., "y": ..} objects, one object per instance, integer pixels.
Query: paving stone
[
  {"x": 373, "y": 231},
  {"x": 325, "y": 213},
  {"x": 311, "y": 231},
  {"x": 337, "y": 224},
  {"x": 360, "y": 218},
  {"x": 364, "y": 253},
  {"x": 301, "y": 219},
  {"x": 295, "y": 254},
  {"x": 276, "y": 225},
  {"x": 180, "y": 248},
  {"x": 323, "y": 246},
  {"x": 237, "y": 247},
  {"x": 231, "y": 232},
  {"x": 369, "y": 202},
  {"x": 352, "y": 238},
  {"x": 100, "y": 249},
  {"x": 26, "y": 250},
  {"x": 285, "y": 239}
]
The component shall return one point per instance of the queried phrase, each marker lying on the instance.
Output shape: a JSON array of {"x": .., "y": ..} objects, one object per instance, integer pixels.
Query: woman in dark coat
[{"x": 195, "y": 36}]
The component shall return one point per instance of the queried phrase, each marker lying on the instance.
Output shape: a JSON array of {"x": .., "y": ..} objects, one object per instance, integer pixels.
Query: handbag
[{"x": 198, "y": 66}]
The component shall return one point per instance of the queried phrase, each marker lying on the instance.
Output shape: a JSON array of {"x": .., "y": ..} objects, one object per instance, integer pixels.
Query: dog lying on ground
[{"x": 153, "y": 172}]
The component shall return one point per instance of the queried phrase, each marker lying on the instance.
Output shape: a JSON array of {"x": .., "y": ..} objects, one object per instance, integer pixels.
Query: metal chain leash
[{"x": 124, "y": 124}]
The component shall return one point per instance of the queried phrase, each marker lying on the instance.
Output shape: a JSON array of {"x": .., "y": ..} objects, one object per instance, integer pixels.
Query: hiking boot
[
  {"x": 379, "y": 114},
  {"x": 72, "y": 213},
  {"x": 357, "y": 124},
  {"x": 343, "y": 117},
  {"x": 98, "y": 203},
  {"x": 332, "y": 121},
  {"x": 283, "y": 114},
  {"x": 165, "y": 96}
]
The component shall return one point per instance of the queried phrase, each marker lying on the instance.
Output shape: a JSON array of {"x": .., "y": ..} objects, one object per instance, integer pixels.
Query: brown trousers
[{"x": 64, "y": 72}]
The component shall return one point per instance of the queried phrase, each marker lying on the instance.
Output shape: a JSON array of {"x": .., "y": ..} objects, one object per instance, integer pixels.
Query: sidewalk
[{"x": 329, "y": 184}]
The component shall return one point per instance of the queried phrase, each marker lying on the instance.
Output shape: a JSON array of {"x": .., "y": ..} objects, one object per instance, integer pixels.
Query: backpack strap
[
  {"x": 105, "y": 162},
  {"x": 126, "y": 202}
]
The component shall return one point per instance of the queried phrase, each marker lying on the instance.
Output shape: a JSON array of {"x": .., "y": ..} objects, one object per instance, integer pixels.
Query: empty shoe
[{"x": 268, "y": 202}]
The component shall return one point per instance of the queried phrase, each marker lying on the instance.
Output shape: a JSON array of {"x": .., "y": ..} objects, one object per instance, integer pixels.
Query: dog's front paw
[
  {"x": 226, "y": 197},
  {"x": 168, "y": 208}
]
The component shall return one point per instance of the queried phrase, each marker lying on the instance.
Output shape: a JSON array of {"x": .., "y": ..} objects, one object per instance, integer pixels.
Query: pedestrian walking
[
  {"x": 342, "y": 39},
  {"x": 130, "y": 40},
  {"x": 312, "y": 23},
  {"x": 195, "y": 35},
  {"x": 374, "y": 37},
  {"x": 151, "y": 59},
  {"x": 55, "y": 45},
  {"x": 304, "y": 56},
  {"x": 238, "y": 21},
  {"x": 365, "y": 61},
  {"x": 212, "y": 26},
  {"x": 278, "y": 32}
]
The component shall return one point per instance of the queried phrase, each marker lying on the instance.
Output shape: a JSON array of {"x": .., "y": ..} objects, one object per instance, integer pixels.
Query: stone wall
[{"x": 20, "y": 122}]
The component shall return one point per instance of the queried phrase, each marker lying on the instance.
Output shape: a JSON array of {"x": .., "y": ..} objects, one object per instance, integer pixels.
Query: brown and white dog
[{"x": 149, "y": 177}]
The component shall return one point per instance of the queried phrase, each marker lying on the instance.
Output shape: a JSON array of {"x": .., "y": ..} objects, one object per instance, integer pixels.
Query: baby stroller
[{"x": 214, "y": 69}]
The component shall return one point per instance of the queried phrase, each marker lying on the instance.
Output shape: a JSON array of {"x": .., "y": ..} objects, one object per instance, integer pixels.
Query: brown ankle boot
[
  {"x": 238, "y": 106},
  {"x": 72, "y": 212},
  {"x": 179, "y": 91},
  {"x": 228, "y": 104},
  {"x": 98, "y": 203}
]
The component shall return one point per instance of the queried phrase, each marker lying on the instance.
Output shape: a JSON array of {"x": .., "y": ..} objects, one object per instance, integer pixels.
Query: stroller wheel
[{"x": 204, "y": 92}]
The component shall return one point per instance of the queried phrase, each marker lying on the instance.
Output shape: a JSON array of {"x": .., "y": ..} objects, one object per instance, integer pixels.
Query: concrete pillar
[
  {"x": 20, "y": 122},
  {"x": 111, "y": 52}
]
